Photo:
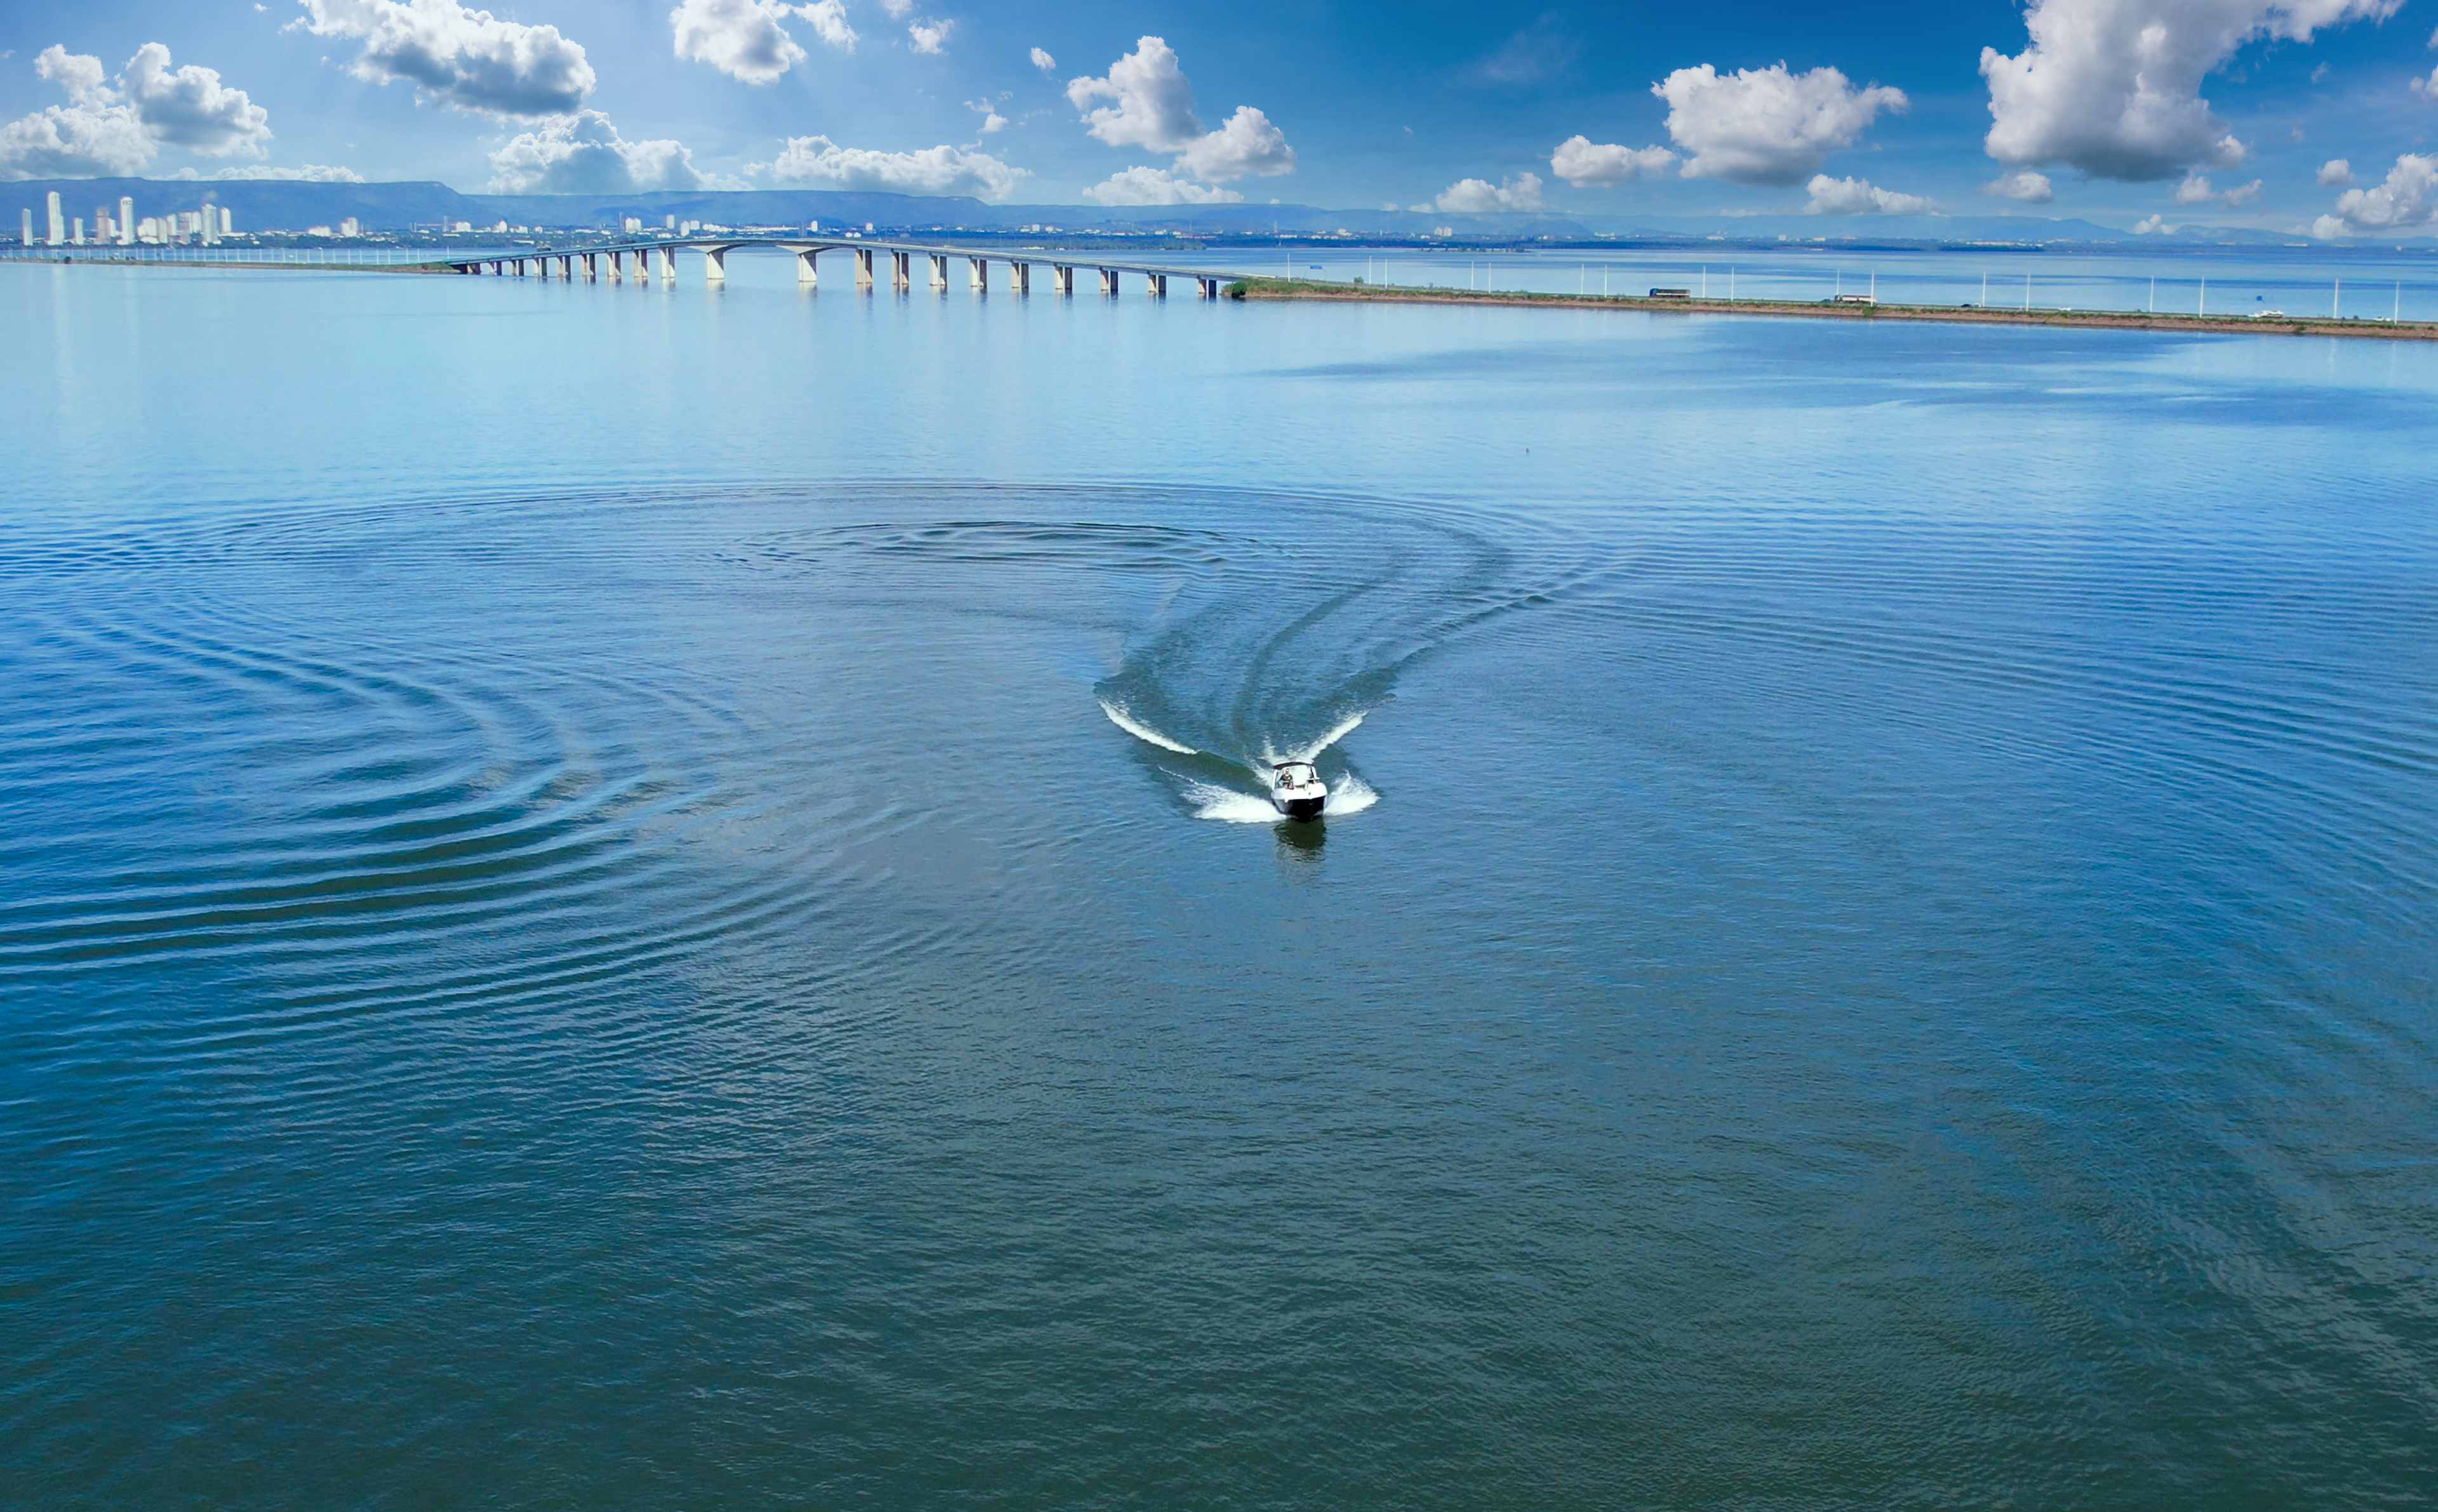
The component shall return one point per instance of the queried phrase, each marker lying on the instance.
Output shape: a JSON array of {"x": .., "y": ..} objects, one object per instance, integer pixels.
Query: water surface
[{"x": 577, "y": 928}]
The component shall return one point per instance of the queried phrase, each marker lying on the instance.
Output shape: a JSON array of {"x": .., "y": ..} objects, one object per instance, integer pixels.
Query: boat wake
[
  {"x": 1311, "y": 751},
  {"x": 1134, "y": 727},
  {"x": 1208, "y": 799},
  {"x": 1280, "y": 643},
  {"x": 1241, "y": 630}
]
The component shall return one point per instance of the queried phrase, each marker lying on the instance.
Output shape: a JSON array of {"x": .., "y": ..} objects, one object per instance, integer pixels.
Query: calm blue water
[{"x": 579, "y": 926}]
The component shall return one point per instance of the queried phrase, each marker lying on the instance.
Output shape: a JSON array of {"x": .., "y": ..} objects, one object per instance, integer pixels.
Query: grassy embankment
[{"x": 2281, "y": 325}]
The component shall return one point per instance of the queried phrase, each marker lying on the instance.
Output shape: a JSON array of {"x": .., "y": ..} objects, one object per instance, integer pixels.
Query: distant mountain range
[{"x": 273, "y": 205}]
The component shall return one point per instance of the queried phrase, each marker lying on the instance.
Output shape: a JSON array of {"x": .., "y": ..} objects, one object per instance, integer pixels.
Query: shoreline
[{"x": 2281, "y": 325}]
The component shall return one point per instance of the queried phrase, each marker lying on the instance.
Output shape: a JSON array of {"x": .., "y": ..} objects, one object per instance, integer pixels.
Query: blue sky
[{"x": 2308, "y": 114}]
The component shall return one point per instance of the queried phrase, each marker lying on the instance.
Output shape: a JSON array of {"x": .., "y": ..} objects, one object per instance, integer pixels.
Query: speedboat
[{"x": 1297, "y": 790}]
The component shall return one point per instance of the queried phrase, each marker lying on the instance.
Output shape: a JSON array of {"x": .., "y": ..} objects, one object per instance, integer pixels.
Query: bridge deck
[{"x": 818, "y": 244}]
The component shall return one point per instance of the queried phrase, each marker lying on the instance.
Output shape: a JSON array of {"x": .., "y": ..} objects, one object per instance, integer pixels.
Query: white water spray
[
  {"x": 1348, "y": 795},
  {"x": 1228, "y": 806}
]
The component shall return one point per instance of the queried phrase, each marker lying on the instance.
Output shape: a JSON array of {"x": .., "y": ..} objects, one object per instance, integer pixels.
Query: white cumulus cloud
[
  {"x": 1589, "y": 165},
  {"x": 1152, "y": 100},
  {"x": 584, "y": 154},
  {"x": 1152, "y": 105},
  {"x": 467, "y": 59},
  {"x": 828, "y": 18},
  {"x": 2336, "y": 172},
  {"x": 819, "y": 163},
  {"x": 190, "y": 107},
  {"x": 740, "y": 38},
  {"x": 1042, "y": 61},
  {"x": 1143, "y": 186},
  {"x": 1862, "y": 196},
  {"x": 1245, "y": 145},
  {"x": 79, "y": 75},
  {"x": 2112, "y": 87},
  {"x": 105, "y": 130},
  {"x": 1766, "y": 125},
  {"x": 96, "y": 132},
  {"x": 2407, "y": 197},
  {"x": 2022, "y": 183},
  {"x": 1481, "y": 197},
  {"x": 930, "y": 36},
  {"x": 2196, "y": 189}
]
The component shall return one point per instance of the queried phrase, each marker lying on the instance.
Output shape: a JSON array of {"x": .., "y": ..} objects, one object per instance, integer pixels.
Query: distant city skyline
[{"x": 2311, "y": 116}]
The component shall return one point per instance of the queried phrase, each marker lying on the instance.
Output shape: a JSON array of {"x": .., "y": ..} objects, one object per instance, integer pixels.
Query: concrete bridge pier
[
  {"x": 1062, "y": 278},
  {"x": 901, "y": 269},
  {"x": 617, "y": 266},
  {"x": 939, "y": 270},
  {"x": 668, "y": 265},
  {"x": 592, "y": 268},
  {"x": 1210, "y": 288},
  {"x": 981, "y": 267},
  {"x": 864, "y": 268},
  {"x": 567, "y": 268},
  {"x": 714, "y": 264},
  {"x": 1020, "y": 277},
  {"x": 1109, "y": 283},
  {"x": 808, "y": 275},
  {"x": 1159, "y": 285}
]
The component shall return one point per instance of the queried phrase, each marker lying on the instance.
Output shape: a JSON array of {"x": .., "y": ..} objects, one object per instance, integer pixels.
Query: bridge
[{"x": 616, "y": 260}]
